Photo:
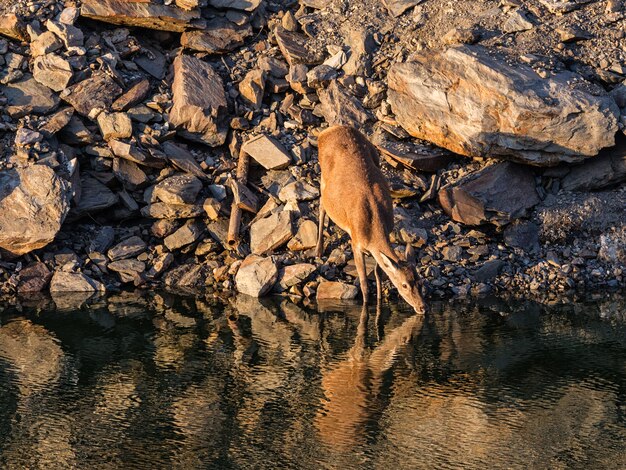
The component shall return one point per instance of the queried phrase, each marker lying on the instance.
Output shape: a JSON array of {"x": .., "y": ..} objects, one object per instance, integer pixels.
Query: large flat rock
[
  {"x": 27, "y": 96},
  {"x": 474, "y": 104},
  {"x": 143, "y": 14},
  {"x": 200, "y": 105},
  {"x": 33, "y": 204},
  {"x": 497, "y": 194}
]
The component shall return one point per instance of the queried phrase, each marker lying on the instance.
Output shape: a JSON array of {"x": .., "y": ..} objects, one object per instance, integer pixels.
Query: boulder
[
  {"x": 496, "y": 194},
  {"x": 336, "y": 291},
  {"x": 271, "y": 232},
  {"x": 143, "y": 14},
  {"x": 200, "y": 106},
  {"x": 33, "y": 204},
  {"x": 472, "y": 103},
  {"x": 256, "y": 276},
  {"x": 220, "y": 36},
  {"x": 45, "y": 43},
  {"x": 27, "y": 95}
]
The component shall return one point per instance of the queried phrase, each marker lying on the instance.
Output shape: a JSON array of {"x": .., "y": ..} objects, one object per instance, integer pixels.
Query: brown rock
[
  {"x": 292, "y": 275},
  {"x": 605, "y": 170},
  {"x": 97, "y": 92},
  {"x": 200, "y": 105},
  {"x": 496, "y": 194},
  {"x": 305, "y": 238},
  {"x": 219, "y": 36},
  {"x": 115, "y": 125},
  {"x": 270, "y": 233},
  {"x": 143, "y": 14},
  {"x": 161, "y": 210},
  {"x": 178, "y": 189},
  {"x": 471, "y": 103},
  {"x": 129, "y": 270},
  {"x": 95, "y": 196},
  {"x": 13, "y": 27},
  {"x": 45, "y": 43},
  {"x": 190, "y": 232},
  {"x": 129, "y": 174},
  {"x": 341, "y": 108},
  {"x": 256, "y": 276},
  {"x": 294, "y": 47},
  {"x": 33, "y": 204},
  {"x": 33, "y": 278},
  {"x": 128, "y": 248},
  {"x": 268, "y": 152},
  {"x": 134, "y": 95},
  {"x": 183, "y": 160},
  {"x": 73, "y": 282},
  {"x": 246, "y": 5},
  {"x": 397, "y": 7},
  {"x": 336, "y": 291},
  {"x": 252, "y": 88}
]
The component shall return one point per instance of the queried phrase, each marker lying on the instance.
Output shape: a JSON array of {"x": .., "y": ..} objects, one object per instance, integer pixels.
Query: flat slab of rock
[
  {"x": 97, "y": 92},
  {"x": 336, "y": 291},
  {"x": 52, "y": 71},
  {"x": 473, "y": 104},
  {"x": 187, "y": 234},
  {"x": 292, "y": 275},
  {"x": 143, "y": 14},
  {"x": 256, "y": 276},
  {"x": 563, "y": 6},
  {"x": 12, "y": 26},
  {"x": 33, "y": 204},
  {"x": 162, "y": 210},
  {"x": 27, "y": 96},
  {"x": 268, "y": 152},
  {"x": 128, "y": 248},
  {"x": 95, "y": 196},
  {"x": 200, "y": 105},
  {"x": 271, "y": 232},
  {"x": 219, "y": 36},
  {"x": 246, "y": 5},
  {"x": 129, "y": 270},
  {"x": 305, "y": 238},
  {"x": 73, "y": 282},
  {"x": 497, "y": 194},
  {"x": 183, "y": 160}
]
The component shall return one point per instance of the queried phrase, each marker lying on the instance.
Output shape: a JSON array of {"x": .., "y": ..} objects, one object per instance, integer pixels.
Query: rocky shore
[{"x": 172, "y": 144}]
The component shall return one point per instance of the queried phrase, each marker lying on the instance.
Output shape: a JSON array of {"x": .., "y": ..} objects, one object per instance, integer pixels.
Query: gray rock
[
  {"x": 496, "y": 194},
  {"x": 522, "y": 234},
  {"x": 298, "y": 191},
  {"x": 397, "y": 7},
  {"x": 97, "y": 92},
  {"x": 517, "y": 22},
  {"x": 256, "y": 276},
  {"x": 33, "y": 204},
  {"x": 295, "y": 48},
  {"x": 292, "y": 275},
  {"x": 305, "y": 238},
  {"x": 27, "y": 96},
  {"x": 200, "y": 105},
  {"x": 271, "y": 233},
  {"x": 339, "y": 107},
  {"x": 94, "y": 197},
  {"x": 488, "y": 271},
  {"x": 252, "y": 88},
  {"x": 129, "y": 270},
  {"x": 219, "y": 36},
  {"x": 499, "y": 110},
  {"x": 161, "y": 210},
  {"x": 607, "y": 169}
]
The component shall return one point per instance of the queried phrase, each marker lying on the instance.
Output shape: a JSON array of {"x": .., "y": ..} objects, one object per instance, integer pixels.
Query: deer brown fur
[{"x": 356, "y": 196}]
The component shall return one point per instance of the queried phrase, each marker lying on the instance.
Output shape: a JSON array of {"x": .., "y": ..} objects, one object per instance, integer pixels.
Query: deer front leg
[
  {"x": 359, "y": 261},
  {"x": 320, "y": 232},
  {"x": 379, "y": 289}
]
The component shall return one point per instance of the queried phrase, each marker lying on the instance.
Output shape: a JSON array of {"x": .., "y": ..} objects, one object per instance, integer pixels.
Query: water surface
[{"x": 168, "y": 382}]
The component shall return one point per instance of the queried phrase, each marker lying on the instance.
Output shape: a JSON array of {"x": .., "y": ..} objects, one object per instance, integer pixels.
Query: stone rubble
[{"x": 501, "y": 132}]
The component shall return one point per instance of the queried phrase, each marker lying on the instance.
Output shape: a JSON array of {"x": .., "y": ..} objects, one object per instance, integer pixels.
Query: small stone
[
  {"x": 45, "y": 43},
  {"x": 517, "y": 22},
  {"x": 336, "y": 291},
  {"x": 297, "y": 78},
  {"x": 256, "y": 276},
  {"x": 452, "y": 253},
  {"x": 294, "y": 47},
  {"x": 293, "y": 275},
  {"x": 69, "y": 34},
  {"x": 115, "y": 125},
  {"x": 33, "y": 278},
  {"x": 321, "y": 76},
  {"x": 212, "y": 208},
  {"x": 129, "y": 270},
  {"x": 274, "y": 67},
  {"x": 298, "y": 191},
  {"x": 97, "y": 92},
  {"x": 134, "y": 95}
]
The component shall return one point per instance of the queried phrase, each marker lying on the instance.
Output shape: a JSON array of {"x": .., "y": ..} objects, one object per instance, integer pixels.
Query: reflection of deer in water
[
  {"x": 353, "y": 385},
  {"x": 356, "y": 197}
]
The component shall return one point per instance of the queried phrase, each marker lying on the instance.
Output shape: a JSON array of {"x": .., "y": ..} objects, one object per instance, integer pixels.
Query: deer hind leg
[
  {"x": 320, "y": 232},
  {"x": 379, "y": 289},
  {"x": 359, "y": 261}
]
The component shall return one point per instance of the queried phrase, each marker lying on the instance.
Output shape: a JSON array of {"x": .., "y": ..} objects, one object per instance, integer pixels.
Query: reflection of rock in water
[
  {"x": 40, "y": 437},
  {"x": 33, "y": 355}
]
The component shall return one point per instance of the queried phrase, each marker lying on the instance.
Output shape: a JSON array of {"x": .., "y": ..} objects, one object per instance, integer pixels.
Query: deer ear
[
  {"x": 409, "y": 254},
  {"x": 388, "y": 262}
]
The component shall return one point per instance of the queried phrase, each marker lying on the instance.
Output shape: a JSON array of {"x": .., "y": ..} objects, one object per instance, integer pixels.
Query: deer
[{"x": 356, "y": 197}]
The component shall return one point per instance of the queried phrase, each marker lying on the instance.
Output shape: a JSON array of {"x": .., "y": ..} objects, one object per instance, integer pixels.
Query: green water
[{"x": 170, "y": 382}]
